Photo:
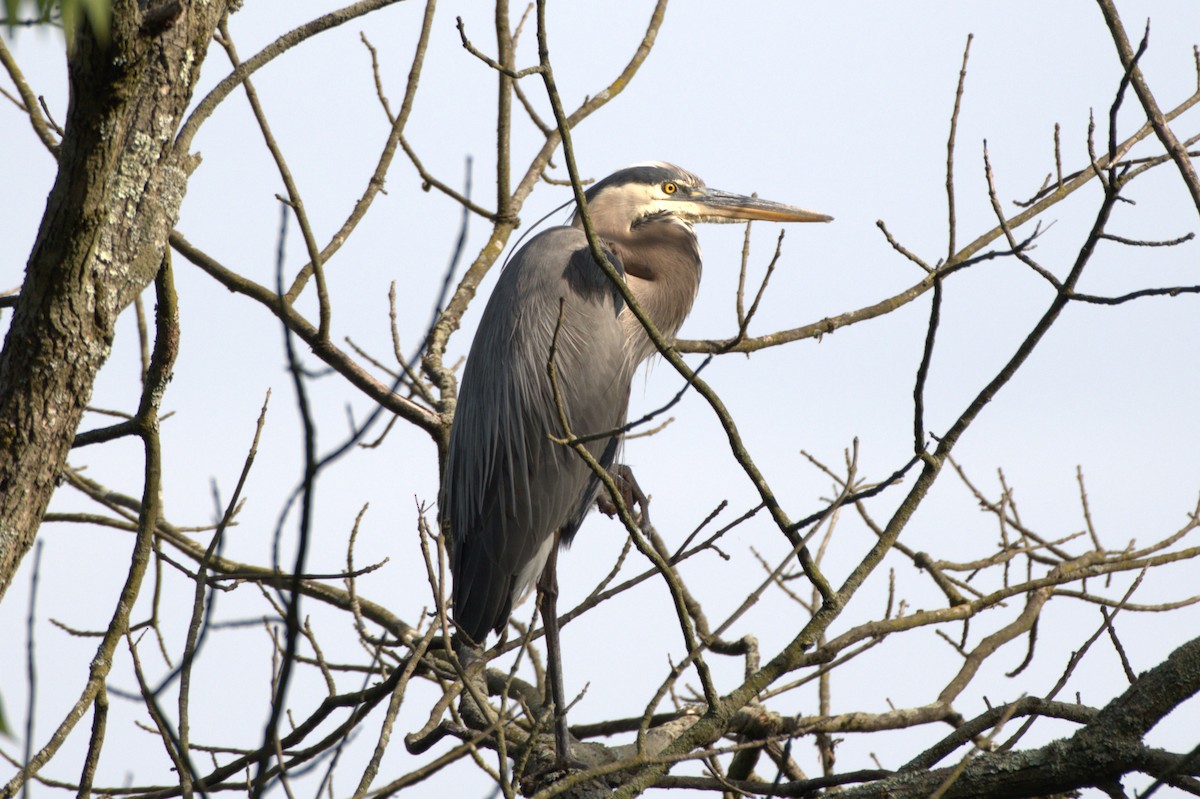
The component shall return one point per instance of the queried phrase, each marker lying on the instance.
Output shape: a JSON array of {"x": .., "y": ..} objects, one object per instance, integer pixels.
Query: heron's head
[{"x": 661, "y": 192}]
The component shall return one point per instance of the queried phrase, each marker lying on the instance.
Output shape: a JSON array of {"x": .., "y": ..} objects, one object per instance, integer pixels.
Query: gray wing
[{"x": 507, "y": 487}]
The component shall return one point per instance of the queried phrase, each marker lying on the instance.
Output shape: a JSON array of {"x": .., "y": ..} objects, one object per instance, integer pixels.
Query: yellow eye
[{"x": 669, "y": 187}]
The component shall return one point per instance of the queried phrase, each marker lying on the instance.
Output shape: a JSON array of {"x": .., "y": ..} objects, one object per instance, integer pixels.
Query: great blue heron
[{"x": 509, "y": 491}]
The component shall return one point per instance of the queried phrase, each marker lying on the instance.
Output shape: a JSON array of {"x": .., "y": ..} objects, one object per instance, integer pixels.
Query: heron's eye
[{"x": 669, "y": 188}]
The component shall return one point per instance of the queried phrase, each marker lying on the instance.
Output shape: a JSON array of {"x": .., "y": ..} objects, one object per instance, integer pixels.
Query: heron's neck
[{"x": 663, "y": 274}]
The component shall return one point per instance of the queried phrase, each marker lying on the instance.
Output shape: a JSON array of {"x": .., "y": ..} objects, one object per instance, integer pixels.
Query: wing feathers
[{"x": 507, "y": 487}]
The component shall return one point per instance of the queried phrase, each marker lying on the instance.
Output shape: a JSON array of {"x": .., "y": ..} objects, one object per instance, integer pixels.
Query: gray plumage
[{"x": 507, "y": 488}]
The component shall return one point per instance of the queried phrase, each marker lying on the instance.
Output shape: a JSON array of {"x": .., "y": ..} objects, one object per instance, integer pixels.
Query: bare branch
[{"x": 1155, "y": 116}]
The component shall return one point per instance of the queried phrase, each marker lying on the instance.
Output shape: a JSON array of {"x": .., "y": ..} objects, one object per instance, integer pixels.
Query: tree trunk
[{"x": 104, "y": 233}]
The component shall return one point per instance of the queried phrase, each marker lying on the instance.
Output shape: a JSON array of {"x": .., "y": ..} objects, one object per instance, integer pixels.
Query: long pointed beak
[{"x": 714, "y": 205}]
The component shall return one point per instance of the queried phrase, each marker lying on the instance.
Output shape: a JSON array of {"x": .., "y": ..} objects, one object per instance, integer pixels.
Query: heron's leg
[
  {"x": 548, "y": 591},
  {"x": 635, "y": 499}
]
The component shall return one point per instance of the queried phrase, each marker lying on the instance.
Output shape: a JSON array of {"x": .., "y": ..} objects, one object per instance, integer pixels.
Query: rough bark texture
[
  {"x": 1098, "y": 755},
  {"x": 117, "y": 195}
]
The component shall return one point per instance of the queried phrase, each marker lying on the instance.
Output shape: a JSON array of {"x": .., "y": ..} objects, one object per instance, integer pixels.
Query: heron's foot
[
  {"x": 631, "y": 495},
  {"x": 544, "y": 768},
  {"x": 564, "y": 758},
  {"x": 569, "y": 764},
  {"x": 468, "y": 651},
  {"x": 549, "y": 763},
  {"x": 606, "y": 506}
]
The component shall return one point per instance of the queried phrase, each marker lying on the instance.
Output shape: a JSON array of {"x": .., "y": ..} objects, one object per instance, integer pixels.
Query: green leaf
[
  {"x": 72, "y": 13},
  {"x": 71, "y": 17},
  {"x": 5, "y": 730},
  {"x": 99, "y": 15}
]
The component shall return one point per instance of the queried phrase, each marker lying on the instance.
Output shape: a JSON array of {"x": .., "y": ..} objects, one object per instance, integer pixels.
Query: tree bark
[
  {"x": 117, "y": 195},
  {"x": 1098, "y": 755}
]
